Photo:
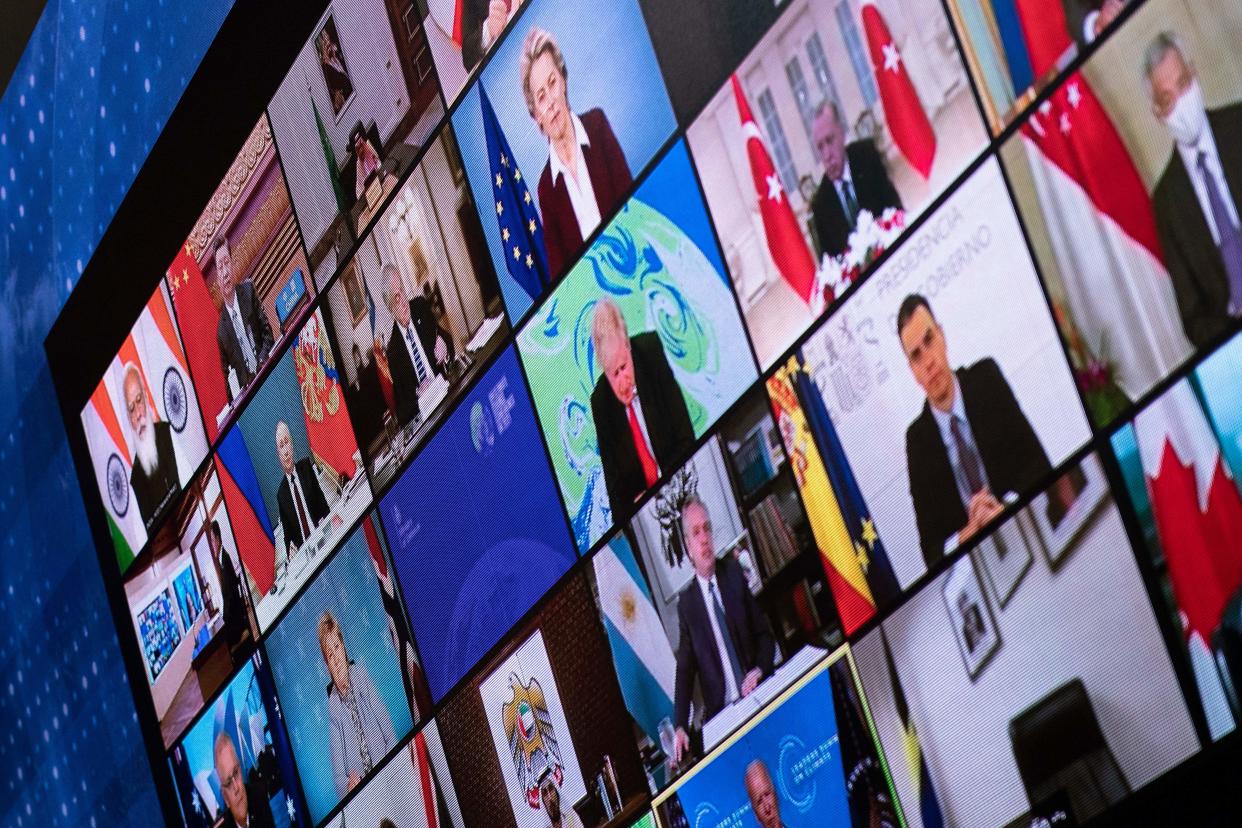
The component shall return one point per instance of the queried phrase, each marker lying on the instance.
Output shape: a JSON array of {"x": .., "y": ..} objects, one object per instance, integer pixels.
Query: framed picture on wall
[
  {"x": 1060, "y": 513},
  {"x": 971, "y": 619},
  {"x": 354, "y": 292},
  {"x": 335, "y": 71},
  {"x": 1005, "y": 556}
]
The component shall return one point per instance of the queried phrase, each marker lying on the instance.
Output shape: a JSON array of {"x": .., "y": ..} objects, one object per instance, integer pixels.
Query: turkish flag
[
  {"x": 786, "y": 243},
  {"x": 198, "y": 318},
  {"x": 907, "y": 122}
]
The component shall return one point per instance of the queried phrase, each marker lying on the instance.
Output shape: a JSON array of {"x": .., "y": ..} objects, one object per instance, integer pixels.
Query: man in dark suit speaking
[
  {"x": 854, "y": 180},
  {"x": 641, "y": 420},
  {"x": 418, "y": 348},
  {"x": 243, "y": 334},
  {"x": 970, "y": 446},
  {"x": 726, "y": 643},
  {"x": 245, "y": 804},
  {"x": 1197, "y": 197},
  {"x": 299, "y": 498},
  {"x": 154, "y": 476}
]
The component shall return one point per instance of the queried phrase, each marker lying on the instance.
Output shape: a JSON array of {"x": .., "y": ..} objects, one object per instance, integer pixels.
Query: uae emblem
[{"x": 532, "y": 741}]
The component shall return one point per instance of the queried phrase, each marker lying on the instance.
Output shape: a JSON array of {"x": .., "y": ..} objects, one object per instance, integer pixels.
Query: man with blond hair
[
  {"x": 586, "y": 175},
  {"x": 641, "y": 420}
]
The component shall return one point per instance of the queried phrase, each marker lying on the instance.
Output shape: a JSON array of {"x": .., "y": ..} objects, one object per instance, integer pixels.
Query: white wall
[
  {"x": 1090, "y": 620},
  {"x": 379, "y": 95}
]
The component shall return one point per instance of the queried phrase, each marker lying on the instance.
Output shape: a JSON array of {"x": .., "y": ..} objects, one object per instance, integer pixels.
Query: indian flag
[
  {"x": 111, "y": 457},
  {"x": 641, "y": 652}
]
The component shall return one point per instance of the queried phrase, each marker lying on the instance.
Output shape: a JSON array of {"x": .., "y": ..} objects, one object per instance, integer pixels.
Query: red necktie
[{"x": 651, "y": 471}]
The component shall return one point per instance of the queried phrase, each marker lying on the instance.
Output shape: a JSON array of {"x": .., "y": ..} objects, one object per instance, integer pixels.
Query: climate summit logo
[{"x": 489, "y": 421}]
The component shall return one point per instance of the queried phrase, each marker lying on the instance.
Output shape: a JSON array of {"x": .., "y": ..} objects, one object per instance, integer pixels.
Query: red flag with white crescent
[
  {"x": 907, "y": 121},
  {"x": 786, "y": 243}
]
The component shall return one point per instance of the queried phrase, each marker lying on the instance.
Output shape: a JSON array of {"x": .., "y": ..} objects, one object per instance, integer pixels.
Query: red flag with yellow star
[{"x": 198, "y": 318}]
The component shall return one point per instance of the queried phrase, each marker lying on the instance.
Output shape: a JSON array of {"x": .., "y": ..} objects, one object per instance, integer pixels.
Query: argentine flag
[{"x": 641, "y": 652}]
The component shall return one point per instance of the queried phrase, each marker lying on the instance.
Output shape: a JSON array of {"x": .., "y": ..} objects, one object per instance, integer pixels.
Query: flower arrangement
[{"x": 867, "y": 242}]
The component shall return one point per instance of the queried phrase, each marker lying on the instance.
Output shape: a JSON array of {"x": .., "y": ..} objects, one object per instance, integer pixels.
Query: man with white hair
[
  {"x": 154, "y": 476},
  {"x": 419, "y": 349},
  {"x": 1197, "y": 198},
  {"x": 641, "y": 420}
]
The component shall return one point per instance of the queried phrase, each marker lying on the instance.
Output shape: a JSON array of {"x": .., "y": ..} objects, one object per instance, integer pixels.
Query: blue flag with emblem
[{"x": 517, "y": 220}]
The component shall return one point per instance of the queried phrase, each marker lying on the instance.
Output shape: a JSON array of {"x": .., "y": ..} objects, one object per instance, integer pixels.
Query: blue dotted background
[{"x": 90, "y": 95}]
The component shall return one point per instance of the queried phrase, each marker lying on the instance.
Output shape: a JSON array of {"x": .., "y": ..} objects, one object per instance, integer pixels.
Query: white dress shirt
[
  {"x": 732, "y": 692},
  {"x": 1190, "y": 157},
  {"x": 581, "y": 192}
]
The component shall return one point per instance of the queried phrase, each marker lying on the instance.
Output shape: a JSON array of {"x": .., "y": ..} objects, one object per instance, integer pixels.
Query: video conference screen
[{"x": 693, "y": 414}]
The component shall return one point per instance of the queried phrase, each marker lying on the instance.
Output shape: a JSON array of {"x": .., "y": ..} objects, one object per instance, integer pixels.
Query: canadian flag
[
  {"x": 786, "y": 244},
  {"x": 1198, "y": 516},
  {"x": 1103, "y": 232},
  {"x": 907, "y": 121}
]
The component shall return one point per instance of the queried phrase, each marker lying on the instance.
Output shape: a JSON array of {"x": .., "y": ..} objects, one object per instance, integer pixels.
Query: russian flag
[{"x": 251, "y": 526}]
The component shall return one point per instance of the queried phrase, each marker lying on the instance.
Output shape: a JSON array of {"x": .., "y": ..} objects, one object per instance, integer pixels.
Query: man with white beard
[
  {"x": 154, "y": 477},
  {"x": 1198, "y": 195}
]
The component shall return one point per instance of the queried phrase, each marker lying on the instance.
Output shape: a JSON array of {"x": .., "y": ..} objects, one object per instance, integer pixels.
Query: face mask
[{"x": 1188, "y": 118}]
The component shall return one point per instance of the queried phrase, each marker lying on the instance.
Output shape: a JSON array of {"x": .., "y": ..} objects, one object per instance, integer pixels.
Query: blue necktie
[
  {"x": 420, "y": 370},
  {"x": 730, "y": 653},
  {"x": 967, "y": 457},
  {"x": 1230, "y": 235}
]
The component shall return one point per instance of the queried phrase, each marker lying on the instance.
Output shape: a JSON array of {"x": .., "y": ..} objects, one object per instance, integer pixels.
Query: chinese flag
[
  {"x": 785, "y": 240},
  {"x": 907, "y": 121},
  {"x": 198, "y": 318}
]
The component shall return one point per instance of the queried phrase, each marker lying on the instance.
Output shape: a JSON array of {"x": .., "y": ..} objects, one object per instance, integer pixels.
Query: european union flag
[
  {"x": 521, "y": 232},
  {"x": 867, "y": 544}
]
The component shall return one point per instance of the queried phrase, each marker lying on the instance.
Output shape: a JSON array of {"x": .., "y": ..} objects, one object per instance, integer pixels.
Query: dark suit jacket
[
  {"x": 668, "y": 423},
  {"x": 872, "y": 187},
  {"x": 260, "y": 809},
  {"x": 1192, "y": 258},
  {"x": 1012, "y": 455},
  {"x": 315, "y": 502},
  {"x": 404, "y": 377},
  {"x": 232, "y": 602},
  {"x": 231, "y": 353},
  {"x": 153, "y": 492},
  {"x": 610, "y": 178},
  {"x": 473, "y": 16},
  {"x": 699, "y": 42},
  {"x": 697, "y": 655}
]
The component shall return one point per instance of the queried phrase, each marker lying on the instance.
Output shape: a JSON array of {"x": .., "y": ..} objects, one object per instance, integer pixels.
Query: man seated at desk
[
  {"x": 300, "y": 499},
  {"x": 418, "y": 350},
  {"x": 726, "y": 642}
]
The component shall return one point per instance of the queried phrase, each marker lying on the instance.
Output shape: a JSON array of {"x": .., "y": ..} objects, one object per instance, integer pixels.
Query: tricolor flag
[
  {"x": 848, "y": 550},
  {"x": 252, "y": 528},
  {"x": 328, "y": 429},
  {"x": 641, "y": 653},
  {"x": 786, "y": 244},
  {"x": 907, "y": 121},
  {"x": 104, "y": 421},
  {"x": 916, "y": 763},
  {"x": 1103, "y": 232},
  {"x": 1034, "y": 36},
  {"x": 1198, "y": 515},
  {"x": 199, "y": 318},
  {"x": 517, "y": 220}
]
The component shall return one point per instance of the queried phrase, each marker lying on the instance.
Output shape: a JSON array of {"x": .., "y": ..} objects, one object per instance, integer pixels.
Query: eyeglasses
[{"x": 233, "y": 779}]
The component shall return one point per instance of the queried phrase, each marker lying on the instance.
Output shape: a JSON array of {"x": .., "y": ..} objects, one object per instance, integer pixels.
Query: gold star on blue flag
[{"x": 517, "y": 220}]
